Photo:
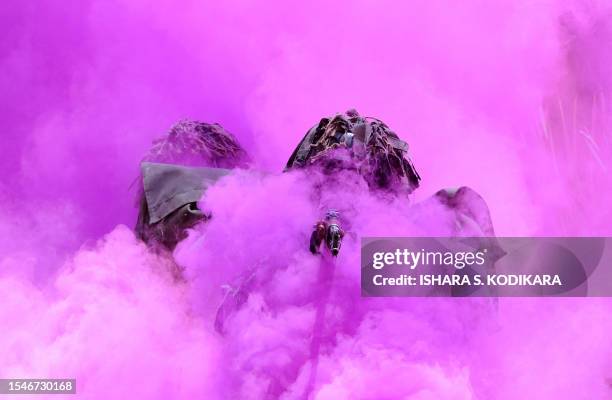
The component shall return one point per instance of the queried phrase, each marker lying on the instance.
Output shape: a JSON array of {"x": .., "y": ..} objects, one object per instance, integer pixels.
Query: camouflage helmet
[
  {"x": 198, "y": 144},
  {"x": 379, "y": 155}
]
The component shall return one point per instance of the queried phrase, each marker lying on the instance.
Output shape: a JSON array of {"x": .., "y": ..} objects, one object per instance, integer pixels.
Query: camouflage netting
[
  {"x": 373, "y": 149},
  {"x": 198, "y": 144},
  {"x": 188, "y": 143}
]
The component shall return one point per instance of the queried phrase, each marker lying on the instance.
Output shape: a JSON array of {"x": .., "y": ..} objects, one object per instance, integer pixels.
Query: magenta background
[{"x": 490, "y": 95}]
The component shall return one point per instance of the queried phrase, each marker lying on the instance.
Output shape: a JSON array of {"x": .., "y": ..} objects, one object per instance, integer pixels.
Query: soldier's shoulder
[{"x": 469, "y": 203}]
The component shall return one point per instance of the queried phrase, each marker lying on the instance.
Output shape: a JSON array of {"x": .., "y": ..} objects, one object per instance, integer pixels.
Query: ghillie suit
[
  {"x": 198, "y": 144},
  {"x": 353, "y": 169},
  {"x": 175, "y": 174},
  {"x": 364, "y": 145},
  {"x": 368, "y": 148},
  {"x": 371, "y": 148}
]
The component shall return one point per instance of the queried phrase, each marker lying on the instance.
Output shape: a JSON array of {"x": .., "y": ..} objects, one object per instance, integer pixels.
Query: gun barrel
[{"x": 334, "y": 239}]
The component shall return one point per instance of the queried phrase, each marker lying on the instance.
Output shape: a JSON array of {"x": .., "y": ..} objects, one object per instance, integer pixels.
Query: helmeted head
[
  {"x": 362, "y": 144},
  {"x": 198, "y": 144},
  {"x": 170, "y": 190}
]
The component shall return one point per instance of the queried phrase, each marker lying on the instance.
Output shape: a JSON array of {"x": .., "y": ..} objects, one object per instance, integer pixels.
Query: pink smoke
[{"x": 510, "y": 98}]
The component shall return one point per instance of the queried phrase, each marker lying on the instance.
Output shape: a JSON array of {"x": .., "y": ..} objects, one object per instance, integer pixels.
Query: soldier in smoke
[
  {"x": 194, "y": 155},
  {"x": 175, "y": 174},
  {"x": 350, "y": 145},
  {"x": 369, "y": 148}
]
